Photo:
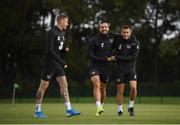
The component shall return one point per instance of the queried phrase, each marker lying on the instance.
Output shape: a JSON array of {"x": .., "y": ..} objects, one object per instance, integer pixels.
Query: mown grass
[{"x": 147, "y": 112}]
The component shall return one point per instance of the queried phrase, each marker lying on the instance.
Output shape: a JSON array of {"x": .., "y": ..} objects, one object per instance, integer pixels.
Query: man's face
[
  {"x": 103, "y": 28},
  {"x": 126, "y": 33},
  {"x": 63, "y": 23}
]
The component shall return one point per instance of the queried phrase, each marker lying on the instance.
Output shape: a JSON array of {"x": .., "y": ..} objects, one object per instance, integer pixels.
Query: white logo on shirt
[
  {"x": 93, "y": 72},
  {"x": 102, "y": 45},
  {"x": 119, "y": 47},
  {"x": 59, "y": 38},
  {"x": 135, "y": 76}
]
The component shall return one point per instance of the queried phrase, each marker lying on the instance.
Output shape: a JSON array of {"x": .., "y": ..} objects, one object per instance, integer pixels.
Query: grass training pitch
[{"x": 22, "y": 113}]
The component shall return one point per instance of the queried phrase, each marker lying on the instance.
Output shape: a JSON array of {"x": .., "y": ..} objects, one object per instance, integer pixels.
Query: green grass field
[{"x": 22, "y": 113}]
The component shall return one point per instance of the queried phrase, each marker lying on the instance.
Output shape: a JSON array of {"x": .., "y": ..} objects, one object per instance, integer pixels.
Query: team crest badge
[
  {"x": 48, "y": 76},
  {"x": 111, "y": 40},
  {"x": 118, "y": 80},
  {"x": 128, "y": 46}
]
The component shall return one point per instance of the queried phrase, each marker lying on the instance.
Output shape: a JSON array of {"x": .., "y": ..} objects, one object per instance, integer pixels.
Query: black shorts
[
  {"x": 125, "y": 77},
  {"x": 103, "y": 74},
  {"x": 51, "y": 71}
]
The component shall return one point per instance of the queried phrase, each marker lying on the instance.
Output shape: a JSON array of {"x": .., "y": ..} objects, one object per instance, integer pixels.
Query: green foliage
[{"x": 23, "y": 30}]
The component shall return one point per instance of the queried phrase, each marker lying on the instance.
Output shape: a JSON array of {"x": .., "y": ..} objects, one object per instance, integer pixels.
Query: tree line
[{"x": 156, "y": 23}]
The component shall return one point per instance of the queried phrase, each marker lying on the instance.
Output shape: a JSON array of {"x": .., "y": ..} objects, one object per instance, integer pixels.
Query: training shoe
[
  {"x": 131, "y": 111},
  {"x": 99, "y": 111},
  {"x": 120, "y": 113},
  {"x": 40, "y": 115},
  {"x": 72, "y": 112}
]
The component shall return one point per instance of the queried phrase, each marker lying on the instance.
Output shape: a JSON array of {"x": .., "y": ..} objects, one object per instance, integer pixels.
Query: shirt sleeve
[
  {"x": 91, "y": 54},
  {"x": 51, "y": 50}
]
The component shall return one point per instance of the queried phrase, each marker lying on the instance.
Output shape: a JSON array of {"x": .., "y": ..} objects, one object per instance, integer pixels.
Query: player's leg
[
  {"x": 96, "y": 88},
  {"x": 103, "y": 92},
  {"x": 120, "y": 97},
  {"x": 63, "y": 86},
  {"x": 95, "y": 78},
  {"x": 39, "y": 97},
  {"x": 120, "y": 84},
  {"x": 47, "y": 73},
  {"x": 133, "y": 93},
  {"x": 104, "y": 78},
  {"x": 97, "y": 93}
]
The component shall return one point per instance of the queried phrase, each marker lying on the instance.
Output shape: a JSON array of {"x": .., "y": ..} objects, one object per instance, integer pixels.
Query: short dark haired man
[{"x": 127, "y": 49}]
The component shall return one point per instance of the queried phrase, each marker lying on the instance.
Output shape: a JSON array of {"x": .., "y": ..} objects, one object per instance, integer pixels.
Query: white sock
[
  {"x": 120, "y": 108},
  {"x": 68, "y": 105},
  {"x": 38, "y": 108},
  {"x": 131, "y": 104},
  {"x": 98, "y": 103}
]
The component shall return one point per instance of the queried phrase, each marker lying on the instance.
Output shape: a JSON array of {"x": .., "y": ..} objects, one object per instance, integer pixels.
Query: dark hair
[
  {"x": 62, "y": 16},
  {"x": 102, "y": 23},
  {"x": 126, "y": 27}
]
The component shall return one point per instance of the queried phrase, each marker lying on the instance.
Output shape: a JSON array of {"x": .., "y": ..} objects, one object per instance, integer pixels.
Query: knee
[
  {"x": 133, "y": 85},
  {"x": 120, "y": 92},
  {"x": 133, "y": 89},
  {"x": 64, "y": 85},
  {"x": 97, "y": 85}
]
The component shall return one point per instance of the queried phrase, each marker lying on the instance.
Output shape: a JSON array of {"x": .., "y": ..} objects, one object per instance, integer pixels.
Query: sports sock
[
  {"x": 68, "y": 105},
  {"x": 38, "y": 108},
  {"x": 120, "y": 108},
  {"x": 131, "y": 104},
  {"x": 98, "y": 103}
]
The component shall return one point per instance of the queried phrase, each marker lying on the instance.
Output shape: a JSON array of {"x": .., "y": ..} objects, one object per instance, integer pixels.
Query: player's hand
[
  {"x": 67, "y": 49},
  {"x": 65, "y": 66},
  {"x": 111, "y": 58}
]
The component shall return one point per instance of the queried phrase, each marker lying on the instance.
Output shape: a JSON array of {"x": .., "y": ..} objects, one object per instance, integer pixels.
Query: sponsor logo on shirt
[{"x": 102, "y": 45}]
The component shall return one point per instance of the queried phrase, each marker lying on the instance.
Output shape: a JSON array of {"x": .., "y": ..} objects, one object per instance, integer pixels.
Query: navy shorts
[
  {"x": 49, "y": 72},
  {"x": 125, "y": 77},
  {"x": 103, "y": 73}
]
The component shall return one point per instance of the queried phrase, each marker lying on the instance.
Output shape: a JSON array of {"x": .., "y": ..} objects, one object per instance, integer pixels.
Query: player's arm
[
  {"x": 91, "y": 54},
  {"x": 51, "y": 49},
  {"x": 134, "y": 52}
]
